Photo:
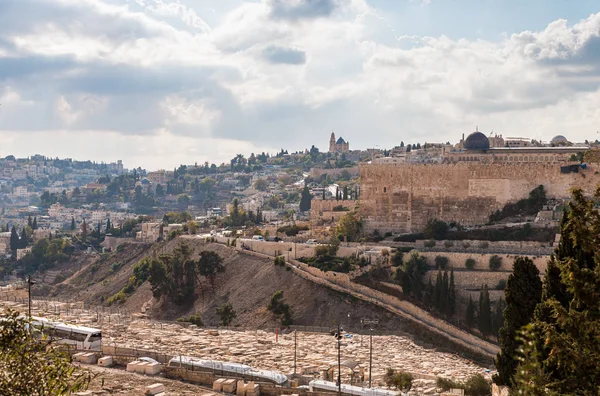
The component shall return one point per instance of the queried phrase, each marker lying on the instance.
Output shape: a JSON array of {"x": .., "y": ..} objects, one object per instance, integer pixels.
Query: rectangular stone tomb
[
  {"x": 229, "y": 386},
  {"x": 218, "y": 385},
  {"x": 131, "y": 366},
  {"x": 106, "y": 361},
  {"x": 154, "y": 389},
  {"x": 153, "y": 368}
]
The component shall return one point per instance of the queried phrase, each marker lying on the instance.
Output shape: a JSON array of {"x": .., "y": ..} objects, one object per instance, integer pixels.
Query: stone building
[
  {"x": 338, "y": 146},
  {"x": 472, "y": 182}
]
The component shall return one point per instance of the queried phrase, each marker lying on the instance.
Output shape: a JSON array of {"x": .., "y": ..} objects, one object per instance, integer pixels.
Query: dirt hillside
[{"x": 247, "y": 283}]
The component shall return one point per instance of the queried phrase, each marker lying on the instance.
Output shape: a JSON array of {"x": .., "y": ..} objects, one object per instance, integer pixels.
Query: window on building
[{"x": 384, "y": 189}]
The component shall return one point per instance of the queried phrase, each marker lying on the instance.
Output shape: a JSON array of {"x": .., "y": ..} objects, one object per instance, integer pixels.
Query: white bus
[{"x": 80, "y": 337}]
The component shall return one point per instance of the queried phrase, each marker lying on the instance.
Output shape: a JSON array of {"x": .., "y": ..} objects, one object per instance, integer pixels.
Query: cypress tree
[
  {"x": 562, "y": 349},
  {"x": 444, "y": 302},
  {"x": 108, "y": 225},
  {"x": 497, "y": 317},
  {"x": 84, "y": 230},
  {"x": 23, "y": 239},
  {"x": 437, "y": 292},
  {"x": 470, "y": 316},
  {"x": 323, "y": 193},
  {"x": 14, "y": 239},
  {"x": 523, "y": 292},
  {"x": 72, "y": 224},
  {"x": 305, "y": 199},
  {"x": 345, "y": 196},
  {"x": 34, "y": 225},
  {"x": 485, "y": 313},
  {"x": 29, "y": 221},
  {"x": 451, "y": 294}
]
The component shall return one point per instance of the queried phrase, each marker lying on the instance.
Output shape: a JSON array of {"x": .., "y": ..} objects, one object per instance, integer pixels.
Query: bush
[
  {"x": 501, "y": 285},
  {"x": 445, "y": 384},
  {"x": 397, "y": 258},
  {"x": 400, "y": 380},
  {"x": 495, "y": 262},
  {"x": 483, "y": 245},
  {"x": 448, "y": 244},
  {"x": 470, "y": 263},
  {"x": 280, "y": 261},
  {"x": 193, "y": 319},
  {"x": 477, "y": 385},
  {"x": 466, "y": 245},
  {"x": 429, "y": 244},
  {"x": 441, "y": 262},
  {"x": 436, "y": 229}
]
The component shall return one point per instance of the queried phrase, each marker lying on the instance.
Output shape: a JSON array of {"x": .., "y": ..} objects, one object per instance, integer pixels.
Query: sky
[{"x": 158, "y": 83}]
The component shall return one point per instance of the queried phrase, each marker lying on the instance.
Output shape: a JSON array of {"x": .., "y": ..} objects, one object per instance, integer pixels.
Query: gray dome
[
  {"x": 559, "y": 139},
  {"x": 477, "y": 141}
]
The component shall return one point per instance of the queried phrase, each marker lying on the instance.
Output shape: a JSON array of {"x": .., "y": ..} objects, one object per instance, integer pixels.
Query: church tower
[{"x": 332, "y": 143}]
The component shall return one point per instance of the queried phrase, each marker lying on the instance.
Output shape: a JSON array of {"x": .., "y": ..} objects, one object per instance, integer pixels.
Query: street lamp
[{"x": 29, "y": 284}]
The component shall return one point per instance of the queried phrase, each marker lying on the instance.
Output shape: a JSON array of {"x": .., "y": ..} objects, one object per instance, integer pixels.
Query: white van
[
  {"x": 311, "y": 242},
  {"x": 258, "y": 238}
]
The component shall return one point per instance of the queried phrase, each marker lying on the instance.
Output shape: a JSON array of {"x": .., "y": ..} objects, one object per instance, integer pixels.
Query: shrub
[
  {"x": 429, "y": 244},
  {"x": 279, "y": 260},
  {"x": 448, "y": 244},
  {"x": 401, "y": 380},
  {"x": 470, "y": 263},
  {"x": 445, "y": 384},
  {"x": 397, "y": 258},
  {"x": 466, "y": 245},
  {"x": 441, "y": 262},
  {"x": 495, "y": 262},
  {"x": 477, "y": 385},
  {"x": 501, "y": 285},
  {"x": 193, "y": 319},
  {"x": 436, "y": 229},
  {"x": 483, "y": 245}
]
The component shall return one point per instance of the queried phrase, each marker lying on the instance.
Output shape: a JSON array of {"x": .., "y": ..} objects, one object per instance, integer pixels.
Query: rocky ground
[
  {"x": 315, "y": 352},
  {"x": 108, "y": 381}
]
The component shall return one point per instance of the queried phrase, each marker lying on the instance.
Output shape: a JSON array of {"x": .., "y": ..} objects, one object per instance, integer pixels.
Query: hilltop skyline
[{"x": 159, "y": 83}]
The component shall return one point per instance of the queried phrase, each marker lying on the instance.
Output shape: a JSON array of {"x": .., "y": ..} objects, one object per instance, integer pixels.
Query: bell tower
[{"x": 332, "y": 143}]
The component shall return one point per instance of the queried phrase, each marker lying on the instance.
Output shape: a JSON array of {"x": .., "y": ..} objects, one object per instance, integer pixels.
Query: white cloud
[{"x": 279, "y": 74}]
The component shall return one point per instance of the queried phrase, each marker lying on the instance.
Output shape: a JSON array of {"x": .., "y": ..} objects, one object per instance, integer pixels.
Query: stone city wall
[
  {"x": 401, "y": 198},
  {"x": 316, "y": 173},
  {"x": 323, "y": 209}
]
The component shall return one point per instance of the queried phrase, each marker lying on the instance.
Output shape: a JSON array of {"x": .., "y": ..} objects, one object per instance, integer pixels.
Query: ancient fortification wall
[
  {"x": 323, "y": 209},
  {"x": 401, "y": 198}
]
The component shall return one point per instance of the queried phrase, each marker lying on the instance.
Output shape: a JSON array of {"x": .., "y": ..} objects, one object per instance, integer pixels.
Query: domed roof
[
  {"x": 477, "y": 141},
  {"x": 559, "y": 139}
]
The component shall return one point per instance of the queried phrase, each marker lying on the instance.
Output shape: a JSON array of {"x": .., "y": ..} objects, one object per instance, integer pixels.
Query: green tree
[
  {"x": 451, "y": 295},
  {"x": 522, "y": 294},
  {"x": 84, "y": 229},
  {"x": 305, "y": 200},
  {"x": 350, "y": 226},
  {"x": 280, "y": 308},
  {"x": 226, "y": 313},
  {"x": 34, "y": 225},
  {"x": 160, "y": 191},
  {"x": 470, "y": 315},
  {"x": 108, "y": 226},
  {"x": 563, "y": 352},
  {"x": 441, "y": 262},
  {"x": 411, "y": 273},
  {"x": 397, "y": 258},
  {"x": 436, "y": 229},
  {"x": 209, "y": 265},
  {"x": 437, "y": 291},
  {"x": 72, "y": 224},
  {"x": 485, "y": 312},
  {"x": 495, "y": 262},
  {"x": 23, "y": 240},
  {"x": 31, "y": 367},
  {"x": 14, "y": 239}
]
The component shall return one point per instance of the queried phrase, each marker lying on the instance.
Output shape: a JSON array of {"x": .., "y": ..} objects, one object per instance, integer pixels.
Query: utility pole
[
  {"x": 371, "y": 324},
  {"x": 29, "y": 284},
  {"x": 338, "y": 337},
  {"x": 295, "y": 349}
]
